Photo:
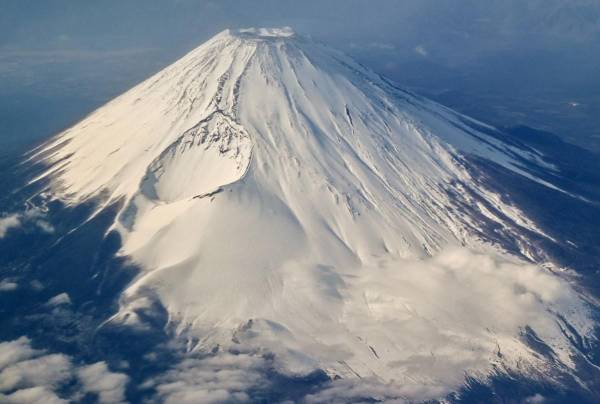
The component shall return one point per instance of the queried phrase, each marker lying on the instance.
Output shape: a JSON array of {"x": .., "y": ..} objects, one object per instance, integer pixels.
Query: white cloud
[
  {"x": 417, "y": 326},
  {"x": 32, "y": 215},
  {"x": 241, "y": 376},
  {"x": 22, "y": 367},
  {"x": 36, "y": 216},
  {"x": 223, "y": 377},
  {"x": 30, "y": 375},
  {"x": 343, "y": 390},
  {"x": 45, "y": 226},
  {"x": 438, "y": 319},
  {"x": 109, "y": 386},
  {"x": 9, "y": 222},
  {"x": 535, "y": 399},
  {"x": 46, "y": 370},
  {"x": 36, "y": 285},
  {"x": 59, "y": 299},
  {"x": 421, "y": 50},
  {"x": 15, "y": 351},
  {"x": 33, "y": 395},
  {"x": 8, "y": 286}
]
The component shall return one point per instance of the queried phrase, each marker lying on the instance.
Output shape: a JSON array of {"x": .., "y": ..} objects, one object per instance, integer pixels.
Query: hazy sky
[
  {"x": 60, "y": 58},
  {"x": 111, "y": 24}
]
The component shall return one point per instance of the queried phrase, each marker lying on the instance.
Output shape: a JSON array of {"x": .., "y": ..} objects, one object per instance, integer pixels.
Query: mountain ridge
[{"x": 280, "y": 197}]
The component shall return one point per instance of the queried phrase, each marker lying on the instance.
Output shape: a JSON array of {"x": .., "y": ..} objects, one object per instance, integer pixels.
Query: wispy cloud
[
  {"x": 59, "y": 300},
  {"x": 421, "y": 50},
  {"x": 7, "y": 285},
  {"x": 33, "y": 216}
]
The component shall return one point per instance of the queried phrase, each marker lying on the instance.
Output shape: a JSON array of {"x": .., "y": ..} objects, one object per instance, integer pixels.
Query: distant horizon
[{"x": 500, "y": 62}]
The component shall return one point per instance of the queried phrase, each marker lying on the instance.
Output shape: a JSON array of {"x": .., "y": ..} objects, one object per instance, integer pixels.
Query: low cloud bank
[
  {"x": 29, "y": 375},
  {"x": 224, "y": 377},
  {"x": 407, "y": 329},
  {"x": 401, "y": 330}
]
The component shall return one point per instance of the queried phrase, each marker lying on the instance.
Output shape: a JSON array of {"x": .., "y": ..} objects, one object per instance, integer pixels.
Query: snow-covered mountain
[{"x": 280, "y": 198}]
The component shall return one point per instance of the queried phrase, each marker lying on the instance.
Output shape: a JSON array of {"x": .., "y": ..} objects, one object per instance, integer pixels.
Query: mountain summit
[{"x": 278, "y": 197}]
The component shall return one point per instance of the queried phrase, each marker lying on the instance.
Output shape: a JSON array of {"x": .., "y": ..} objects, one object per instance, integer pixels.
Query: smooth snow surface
[{"x": 279, "y": 196}]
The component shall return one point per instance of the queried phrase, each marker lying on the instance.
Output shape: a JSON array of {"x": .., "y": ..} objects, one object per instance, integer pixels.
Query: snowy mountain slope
[{"x": 279, "y": 197}]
